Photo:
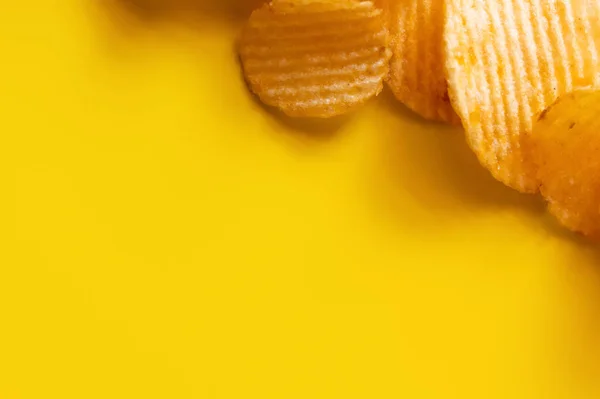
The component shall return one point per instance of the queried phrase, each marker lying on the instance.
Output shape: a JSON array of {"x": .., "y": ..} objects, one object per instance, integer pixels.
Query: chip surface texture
[
  {"x": 564, "y": 149},
  {"x": 315, "y": 58},
  {"x": 417, "y": 66},
  {"x": 506, "y": 61}
]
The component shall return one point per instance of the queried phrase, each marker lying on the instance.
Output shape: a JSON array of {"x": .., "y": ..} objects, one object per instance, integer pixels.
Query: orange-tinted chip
[
  {"x": 564, "y": 150},
  {"x": 417, "y": 75},
  {"x": 315, "y": 58},
  {"x": 506, "y": 61}
]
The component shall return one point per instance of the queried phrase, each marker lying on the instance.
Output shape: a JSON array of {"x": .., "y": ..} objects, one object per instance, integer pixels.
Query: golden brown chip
[
  {"x": 564, "y": 149},
  {"x": 417, "y": 76},
  {"x": 506, "y": 61},
  {"x": 315, "y": 58}
]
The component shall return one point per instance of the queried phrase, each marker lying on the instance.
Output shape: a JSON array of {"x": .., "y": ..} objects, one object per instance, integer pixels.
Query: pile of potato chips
[{"x": 519, "y": 75}]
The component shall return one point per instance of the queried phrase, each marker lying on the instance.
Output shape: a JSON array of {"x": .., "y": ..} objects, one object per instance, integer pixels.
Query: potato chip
[
  {"x": 417, "y": 76},
  {"x": 564, "y": 149},
  {"x": 506, "y": 61},
  {"x": 315, "y": 58}
]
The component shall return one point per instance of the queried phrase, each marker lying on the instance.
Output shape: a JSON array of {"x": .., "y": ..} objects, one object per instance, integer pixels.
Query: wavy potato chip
[
  {"x": 315, "y": 58},
  {"x": 506, "y": 61},
  {"x": 417, "y": 75},
  {"x": 564, "y": 150}
]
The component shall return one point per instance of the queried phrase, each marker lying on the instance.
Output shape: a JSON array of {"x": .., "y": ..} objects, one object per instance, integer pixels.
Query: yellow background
[{"x": 164, "y": 236}]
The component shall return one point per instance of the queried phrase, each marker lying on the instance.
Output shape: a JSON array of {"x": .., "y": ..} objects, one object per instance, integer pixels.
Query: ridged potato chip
[
  {"x": 315, "y": 58},
  {"x": 417, "y": 75},
  {"x": 506, "y": 61},
  {"x": 564, "y": 150}
]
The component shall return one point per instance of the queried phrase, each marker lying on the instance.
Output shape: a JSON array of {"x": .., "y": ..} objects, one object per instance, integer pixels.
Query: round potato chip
[
  {"x": 315, "y": 58},
  {"x": 417, "y": 75},
  {"x": 564, "y": 150},
  {"x": 506, "y": 61}
]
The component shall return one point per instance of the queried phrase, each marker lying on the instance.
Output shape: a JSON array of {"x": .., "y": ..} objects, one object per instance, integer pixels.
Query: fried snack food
[
  {"x": 417, "y": 76},
  {"x": 315, "y": 58},
  {"x": 506, "y": 61},
  {"x": 564, "y": 152}
]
